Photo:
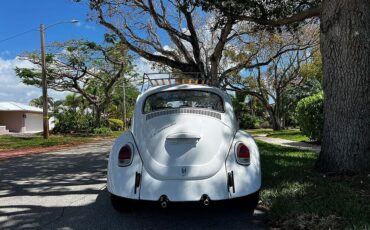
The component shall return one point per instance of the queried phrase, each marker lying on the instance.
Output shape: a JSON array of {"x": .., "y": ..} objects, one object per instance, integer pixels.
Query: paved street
[{"x": 66, "y": 190}]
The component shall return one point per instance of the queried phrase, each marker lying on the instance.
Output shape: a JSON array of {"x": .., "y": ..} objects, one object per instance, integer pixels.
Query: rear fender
[
  {"x": 246, "y": 179},
  {"x": 121, "y": 180}
]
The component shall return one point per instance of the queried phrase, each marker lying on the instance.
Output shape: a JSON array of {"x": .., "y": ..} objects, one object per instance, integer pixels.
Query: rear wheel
[
  {"x": 121, "y": 204},
  {"x": 249, "y": 202},
  {"x": 252, "y": 200}
]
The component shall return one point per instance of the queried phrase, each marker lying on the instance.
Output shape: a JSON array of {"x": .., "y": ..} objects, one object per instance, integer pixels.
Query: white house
[{"x": 20, "y": 118}]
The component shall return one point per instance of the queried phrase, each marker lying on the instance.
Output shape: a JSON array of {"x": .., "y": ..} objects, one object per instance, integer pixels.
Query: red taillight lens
[
  {"x": 125, "y": 156},
  {"x": 243, "y": 154}
]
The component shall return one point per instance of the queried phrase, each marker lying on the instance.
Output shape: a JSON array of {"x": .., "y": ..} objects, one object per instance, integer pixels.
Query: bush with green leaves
[
  {"x": 248, "y": 121},
  {"x": 115, "y": 124},
  {"x": 71, "y": 121},
  {"x": 102, "y": 131},
  {"x": 310, "y": 116}
]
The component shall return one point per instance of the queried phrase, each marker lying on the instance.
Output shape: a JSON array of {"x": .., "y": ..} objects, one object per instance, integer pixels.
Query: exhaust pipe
[
  {"x": 206, "y": 200},
  {"x": 163, "y": 200}
]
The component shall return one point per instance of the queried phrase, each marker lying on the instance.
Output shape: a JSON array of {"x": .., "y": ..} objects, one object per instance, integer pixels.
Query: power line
[
  {"x": 36, "y": 29},
  {"x": 17, "y": 35}
]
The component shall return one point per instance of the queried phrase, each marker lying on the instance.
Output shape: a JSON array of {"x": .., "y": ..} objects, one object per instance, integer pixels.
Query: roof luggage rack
[{"x": 159, "y": 79}]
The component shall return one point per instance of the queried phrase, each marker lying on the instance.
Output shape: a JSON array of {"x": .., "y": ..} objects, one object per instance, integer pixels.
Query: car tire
[
  {"x": 252, "y": 200},
  {"x": 121, "y": 204},
  {"x": 248, "y": 202}
]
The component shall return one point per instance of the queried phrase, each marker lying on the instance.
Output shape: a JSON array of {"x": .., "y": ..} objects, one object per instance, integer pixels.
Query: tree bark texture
[{"x": 345, "y": 46}]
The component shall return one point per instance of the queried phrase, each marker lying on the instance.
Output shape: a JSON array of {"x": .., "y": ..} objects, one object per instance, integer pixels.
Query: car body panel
[
  {"x": 121, "y": 180},
  {"x": 166, "y": 157},
  {"x": 247, "y": 179},
  {"x": 184, "y": 153},
  {"x": 184, "y": 190}
]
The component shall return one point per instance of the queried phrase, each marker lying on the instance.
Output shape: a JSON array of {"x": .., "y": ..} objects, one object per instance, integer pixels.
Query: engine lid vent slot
[{"x": 183, "y": 110}]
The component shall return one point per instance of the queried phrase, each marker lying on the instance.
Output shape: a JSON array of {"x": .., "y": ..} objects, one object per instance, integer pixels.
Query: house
[{"x": 20, "y": 118}]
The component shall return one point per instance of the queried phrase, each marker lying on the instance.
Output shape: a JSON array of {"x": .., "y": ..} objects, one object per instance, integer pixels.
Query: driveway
[{"x": 67, "y": 190}]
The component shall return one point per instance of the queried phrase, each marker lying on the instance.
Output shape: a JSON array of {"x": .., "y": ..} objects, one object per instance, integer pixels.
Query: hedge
[{"x": 310, "y": 116}]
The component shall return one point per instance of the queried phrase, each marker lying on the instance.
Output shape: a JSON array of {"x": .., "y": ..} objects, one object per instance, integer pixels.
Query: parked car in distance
[{"x": 184, "y": 145}]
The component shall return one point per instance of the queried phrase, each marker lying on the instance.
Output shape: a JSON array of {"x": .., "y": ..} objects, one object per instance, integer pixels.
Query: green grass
[
  {"x": 116, "y": 134},
  {"x": 13, "y": 142},
  {"x": 289, "y": 134},
  {"x": 259, "y": 131},
  {"x": 297, "y": 196}
]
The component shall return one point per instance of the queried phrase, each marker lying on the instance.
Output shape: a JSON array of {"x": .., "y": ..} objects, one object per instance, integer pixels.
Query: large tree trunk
[
  {"x": 345, "y": 44},
  {"x": 98, "y": 112},
  {"x": 275, "y": 120}
]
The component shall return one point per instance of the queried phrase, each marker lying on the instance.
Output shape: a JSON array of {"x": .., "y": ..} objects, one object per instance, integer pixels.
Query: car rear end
[{"x": 184, "y": 146}]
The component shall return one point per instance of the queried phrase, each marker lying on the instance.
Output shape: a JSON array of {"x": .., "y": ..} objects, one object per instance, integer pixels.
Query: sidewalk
[{"x": 288, "y": 143}]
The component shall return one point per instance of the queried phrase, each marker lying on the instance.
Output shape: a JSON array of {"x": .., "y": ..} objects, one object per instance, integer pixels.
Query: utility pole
[
  {"x": 124, "y": 104},
  {"x": 44, "y": 86},
  {"x": 44, "y": 83}
]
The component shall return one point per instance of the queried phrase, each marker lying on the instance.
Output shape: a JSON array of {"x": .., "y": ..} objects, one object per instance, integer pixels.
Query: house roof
[{"x": 15, "y": 106}]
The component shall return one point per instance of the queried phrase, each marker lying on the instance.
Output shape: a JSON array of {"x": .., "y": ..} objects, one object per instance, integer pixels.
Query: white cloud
[
  {"x": 12, "y": 88},
  {"x": 143, "y": 66},
  {"x": 4, "y": 53},
  {"x": 87, "y": 26}
]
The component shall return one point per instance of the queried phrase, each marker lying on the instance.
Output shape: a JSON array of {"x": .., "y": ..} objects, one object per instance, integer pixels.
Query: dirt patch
[{"x": 6, "y": 154}]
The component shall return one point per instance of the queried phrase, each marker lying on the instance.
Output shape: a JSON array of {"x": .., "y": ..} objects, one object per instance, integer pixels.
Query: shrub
[
  {"x": 71, "y": 121},
  {"x": 115, "y": 124},
  {"x": 265, "y": 125},
  {"x": 102, "y": 131},
  {"x": 248, "y": 121},
  {"x": 310, "y": 116}
]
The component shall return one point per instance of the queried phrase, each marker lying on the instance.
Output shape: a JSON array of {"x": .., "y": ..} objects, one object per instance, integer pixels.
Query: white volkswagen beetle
[{"x": 184, "y": 145}]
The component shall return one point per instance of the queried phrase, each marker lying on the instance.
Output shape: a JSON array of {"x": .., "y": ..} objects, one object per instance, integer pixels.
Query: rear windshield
[{"x": 183, "y": 99}]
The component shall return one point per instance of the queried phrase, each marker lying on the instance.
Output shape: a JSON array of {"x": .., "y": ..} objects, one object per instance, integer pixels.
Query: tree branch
[{"x": 309, "y": 13}]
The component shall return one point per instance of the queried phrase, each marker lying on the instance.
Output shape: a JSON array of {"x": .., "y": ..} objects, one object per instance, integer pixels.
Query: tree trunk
[
  {"x": 345, "y": 46},
  {"x": 98, "y": 112},
  {"x": 275, "y": 120},
  {"x": 276, "y": 124}
]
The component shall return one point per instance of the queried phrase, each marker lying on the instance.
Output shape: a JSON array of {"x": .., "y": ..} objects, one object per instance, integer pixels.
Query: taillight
[
  {"x": 125, "y": 156},
  {"x": 243, "y": 155}
]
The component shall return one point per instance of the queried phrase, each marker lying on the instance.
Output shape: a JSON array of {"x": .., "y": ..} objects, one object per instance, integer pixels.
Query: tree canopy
[
  {"x": 82, "y": 67},
  {"x": 180, "y": 36}
]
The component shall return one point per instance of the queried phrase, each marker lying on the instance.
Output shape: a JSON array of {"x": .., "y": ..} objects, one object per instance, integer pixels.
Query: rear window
[{"x": 183, "y": 99}]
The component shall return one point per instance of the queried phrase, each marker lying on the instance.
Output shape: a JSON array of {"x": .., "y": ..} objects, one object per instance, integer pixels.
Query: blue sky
[{"x": 17, "y": 16}]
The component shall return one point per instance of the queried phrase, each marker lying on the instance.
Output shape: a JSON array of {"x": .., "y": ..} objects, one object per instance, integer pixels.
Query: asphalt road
[{"x": 66, "y": 190}]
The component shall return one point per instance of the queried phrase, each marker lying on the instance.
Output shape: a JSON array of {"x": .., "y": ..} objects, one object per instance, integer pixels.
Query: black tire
[
  {"x": 121, "y": 204},
  {"x": 249, "y": 202},
  {"x": 252, "y": 200}
]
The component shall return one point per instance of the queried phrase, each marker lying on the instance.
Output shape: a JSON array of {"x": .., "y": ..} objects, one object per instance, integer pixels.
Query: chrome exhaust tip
[
  {"x": 164, "y": 204},
  {"x": 206, "y": 200},
  {"x": 163, "y": 200}
]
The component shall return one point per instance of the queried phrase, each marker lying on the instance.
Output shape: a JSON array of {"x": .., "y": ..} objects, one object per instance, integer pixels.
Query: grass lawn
[
  {"x": 299, "y": 198},
  {"x": 289, "y": 134},
  {"x": 14, "y": 142},
  {"x": 259, "y": 131}
]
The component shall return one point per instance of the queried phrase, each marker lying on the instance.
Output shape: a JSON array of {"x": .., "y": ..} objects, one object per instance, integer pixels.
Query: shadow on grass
[{"x": 298, "y": 196}]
